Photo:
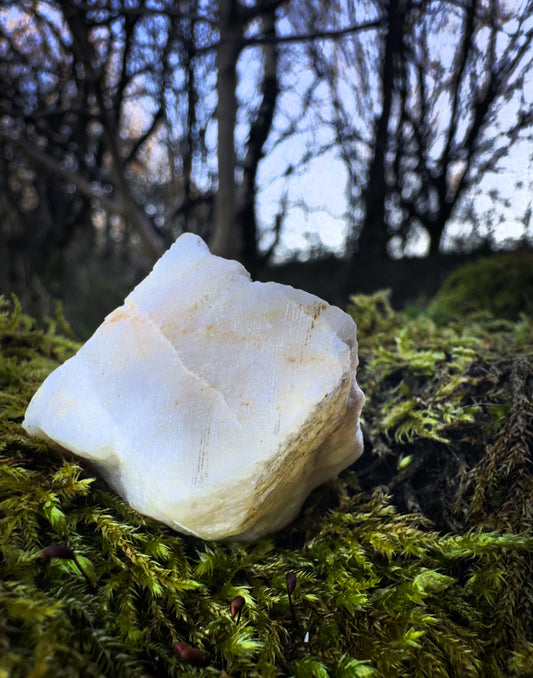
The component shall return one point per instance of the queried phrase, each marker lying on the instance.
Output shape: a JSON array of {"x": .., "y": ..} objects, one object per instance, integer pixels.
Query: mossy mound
[
  {"x": 423, "y": 569},
  {"x": 501, "y": 285}
]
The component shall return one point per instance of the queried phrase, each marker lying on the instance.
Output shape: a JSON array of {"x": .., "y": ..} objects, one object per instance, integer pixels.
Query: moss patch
[
  {"x": 421, "y": 567},
  {"x": 500, "y": 284}
]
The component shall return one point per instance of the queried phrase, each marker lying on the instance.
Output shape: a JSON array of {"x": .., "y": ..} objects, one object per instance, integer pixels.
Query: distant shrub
[{"x": 501, "y": 285}]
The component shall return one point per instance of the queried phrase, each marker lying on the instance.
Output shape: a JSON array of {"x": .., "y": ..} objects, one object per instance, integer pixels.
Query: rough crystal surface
[{"x": 210, "y": 402}]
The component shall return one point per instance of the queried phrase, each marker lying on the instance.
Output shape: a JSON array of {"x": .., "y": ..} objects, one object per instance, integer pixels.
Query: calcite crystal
[{"x": 210, "y": 402}]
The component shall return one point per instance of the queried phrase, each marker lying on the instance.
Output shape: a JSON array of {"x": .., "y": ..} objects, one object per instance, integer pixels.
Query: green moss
[
  {"x": 501, "y": 285},
  {"x": 421, "y": 567}
]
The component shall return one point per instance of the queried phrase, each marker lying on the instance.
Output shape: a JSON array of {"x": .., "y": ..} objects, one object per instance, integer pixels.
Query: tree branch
[
  {"x": 144, "y": 137},
  {"x": 51, "y": 164},
  {"x": 258, "y": 40},
  {"x": 131, "y": 213}
]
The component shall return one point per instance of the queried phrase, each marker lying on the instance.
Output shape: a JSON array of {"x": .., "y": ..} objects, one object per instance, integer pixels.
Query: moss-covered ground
[{"x": 416, "y": 562}]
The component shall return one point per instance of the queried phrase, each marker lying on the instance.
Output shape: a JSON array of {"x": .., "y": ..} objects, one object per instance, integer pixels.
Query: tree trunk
[
  {"x": 259, "y": 131},
  {"x": 226, "y": 238},
  {"x": 128, "y": 206},
  {"x": 374, "y": 234}
]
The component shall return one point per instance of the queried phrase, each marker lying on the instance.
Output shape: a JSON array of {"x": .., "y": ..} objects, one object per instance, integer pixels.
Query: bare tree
[
  {"x": 162, "y": 113},
  {"x": 129, "y": 76},
  {"x": 481, "y": 90},
  {"x": 231, "y": 26},
  {"x": 89, "y": 75},
  {"x": 436, "y": 104},
  {"x": 235, "y": 230}
]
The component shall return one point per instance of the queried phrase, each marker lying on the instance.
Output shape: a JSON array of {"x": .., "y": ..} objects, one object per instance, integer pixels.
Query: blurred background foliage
[{"x": 322, "y": 144}]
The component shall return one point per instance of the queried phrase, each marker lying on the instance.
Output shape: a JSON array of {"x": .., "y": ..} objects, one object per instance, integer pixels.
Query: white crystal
[{"x": 210, "y": 402}]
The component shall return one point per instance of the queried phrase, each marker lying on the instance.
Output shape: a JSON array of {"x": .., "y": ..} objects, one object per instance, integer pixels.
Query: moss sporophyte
[
  {"x": 63, "y": 552},
  {"x": 236, "y": 606},
  {"x": 404, "y": 568}
]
